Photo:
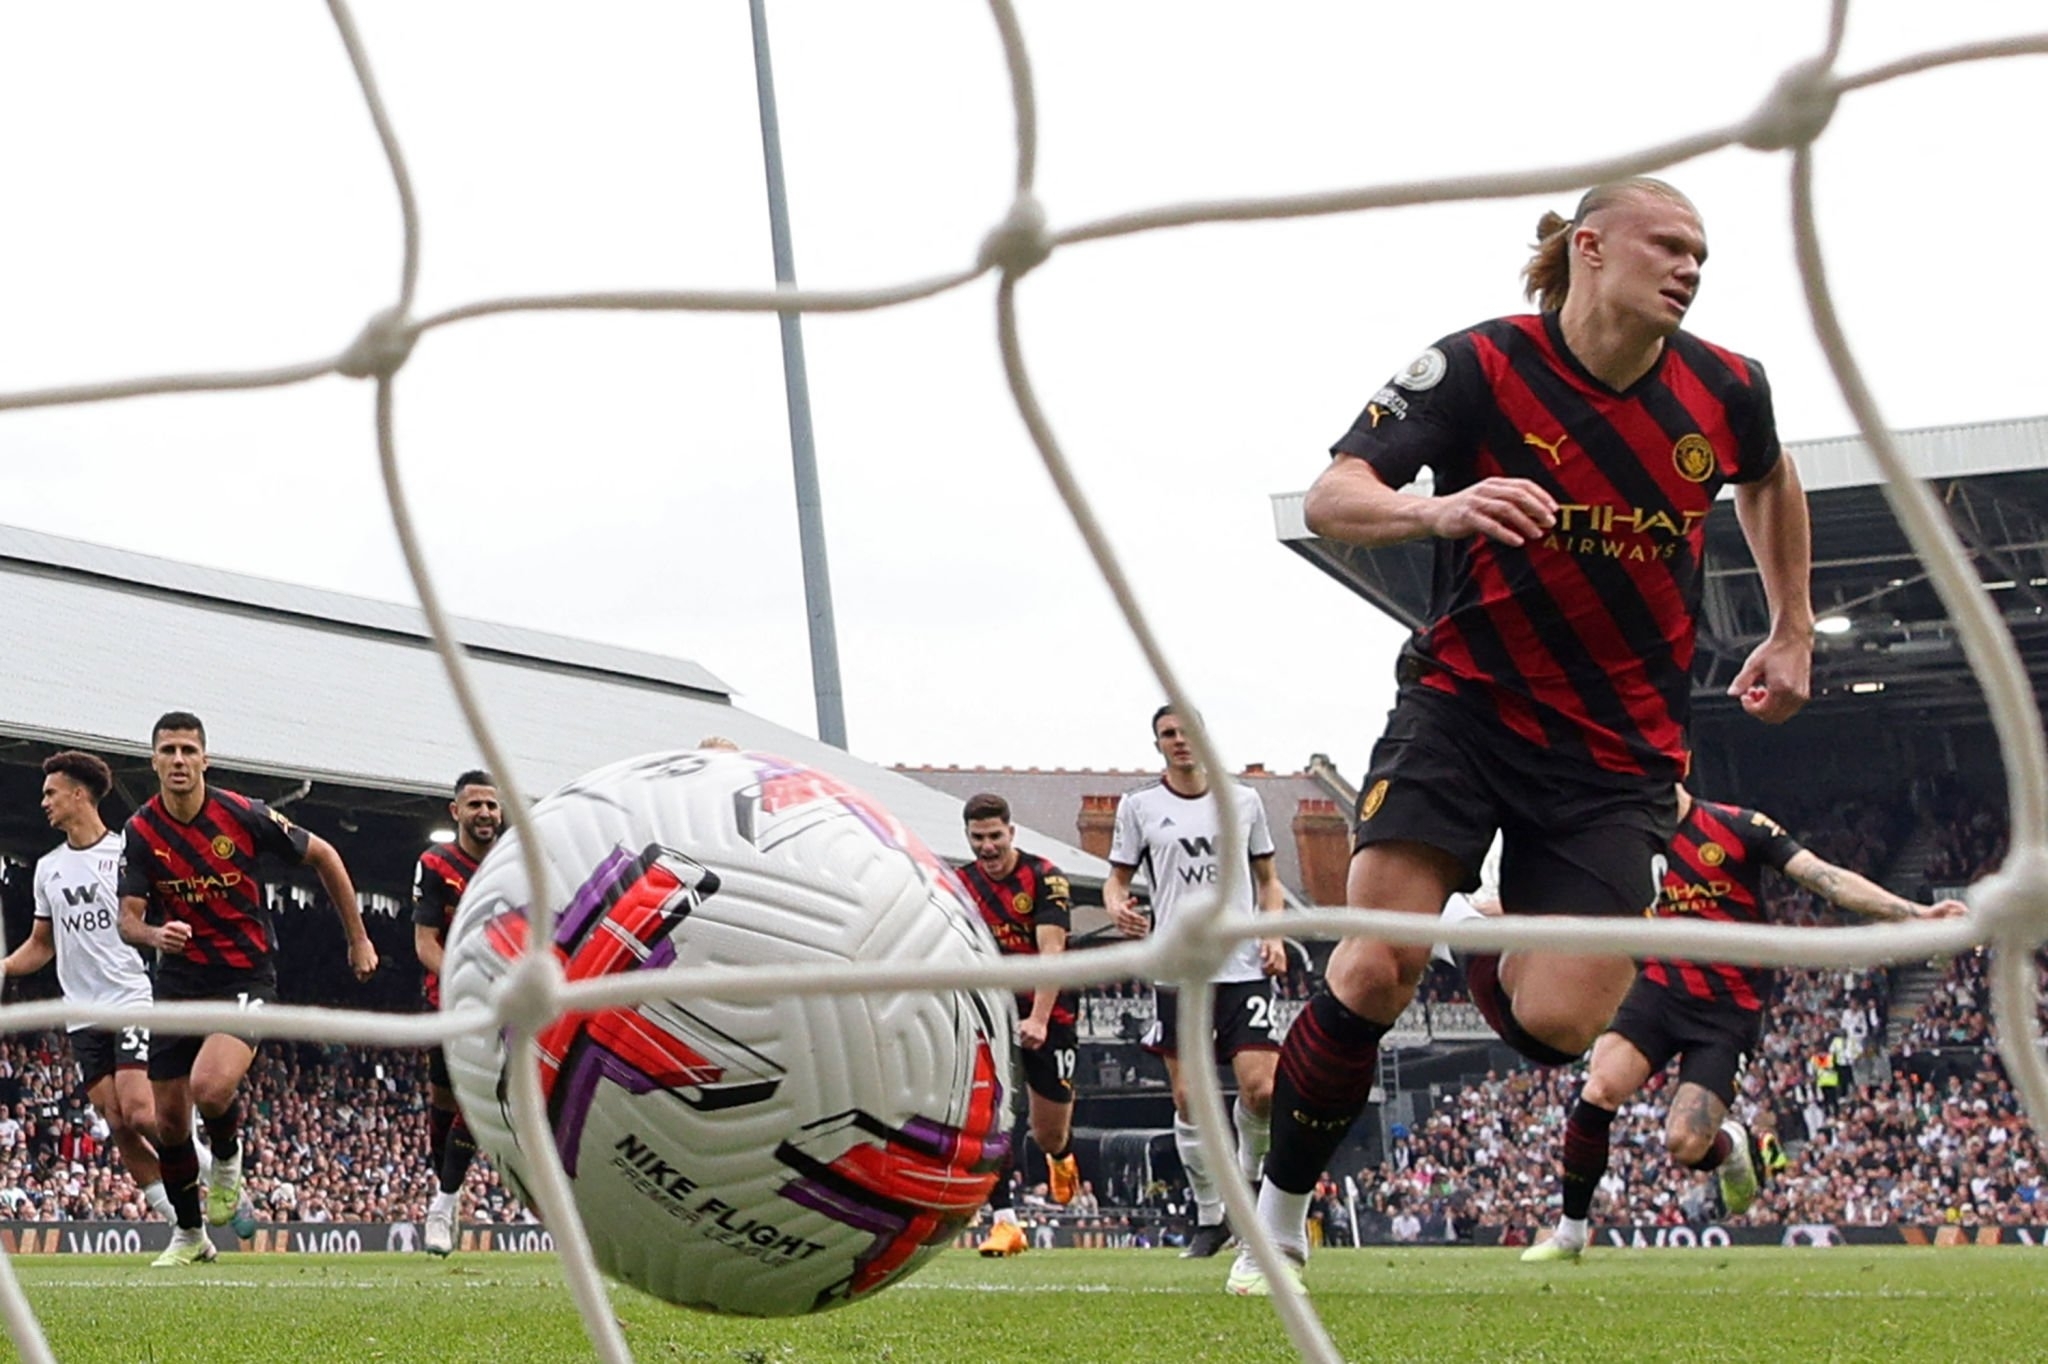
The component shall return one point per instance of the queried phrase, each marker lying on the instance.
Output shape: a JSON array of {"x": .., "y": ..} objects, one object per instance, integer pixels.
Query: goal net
[{"x": 2009, "y": 909}]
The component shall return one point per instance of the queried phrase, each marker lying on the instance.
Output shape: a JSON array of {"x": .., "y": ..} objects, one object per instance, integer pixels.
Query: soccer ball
[{"x": 764, "y": 1158}]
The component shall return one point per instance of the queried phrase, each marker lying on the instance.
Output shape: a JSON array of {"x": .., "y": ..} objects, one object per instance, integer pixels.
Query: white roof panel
[
  {"x": 33, "y": 550},
  {"x": 1931, "y": 452},
  {"x": 346, "y": 690}
]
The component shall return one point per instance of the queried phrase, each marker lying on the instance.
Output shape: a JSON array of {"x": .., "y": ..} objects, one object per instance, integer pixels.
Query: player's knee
[
  {"x": 1573, "y": 1036},
  {"x": 111, "y": 1105},
  {"x": 1560, "y": 1024},
  {"x": 1053, "y": 1138},
  {"x": 1255, "y": 1092},
  {"x": 1372, "y": 977},
  {"x": 1603, "y": 1093},
  {"x": 1686, "y": 1143},
  {"x": 1410, "y": 963},
  {"x": 212, "y": 1096}
]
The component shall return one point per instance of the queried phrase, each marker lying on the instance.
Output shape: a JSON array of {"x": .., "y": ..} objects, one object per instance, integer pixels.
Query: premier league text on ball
[{"x": 764, "y": 1158}]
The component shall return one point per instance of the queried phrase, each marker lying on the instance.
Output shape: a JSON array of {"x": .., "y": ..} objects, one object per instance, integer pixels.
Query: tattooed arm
[{"x": 1860, "y": 894}]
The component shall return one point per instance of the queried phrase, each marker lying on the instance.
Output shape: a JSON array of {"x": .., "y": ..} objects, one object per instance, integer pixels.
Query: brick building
[{"x": 1309, "y": 812}]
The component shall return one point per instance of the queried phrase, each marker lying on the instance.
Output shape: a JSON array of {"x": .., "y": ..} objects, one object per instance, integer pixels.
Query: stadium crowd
[
  {"x": 1900, "y": 1148},
  {"x": 1929, "y": 1132},
  {"x": 335, "y": 1134}
]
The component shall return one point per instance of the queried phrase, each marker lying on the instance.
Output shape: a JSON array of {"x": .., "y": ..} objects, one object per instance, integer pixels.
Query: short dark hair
[
  {"x": 1170, "y": 709},
  {"x": 476, "y": 776},
  {"x": 987, "y": 805},
  {"x": 177, "y": 719},
  {"x": 90, "y": 772}
]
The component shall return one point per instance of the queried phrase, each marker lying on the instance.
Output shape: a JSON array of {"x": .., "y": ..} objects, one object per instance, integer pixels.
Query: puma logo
[{"x": 1548, "y": 447}]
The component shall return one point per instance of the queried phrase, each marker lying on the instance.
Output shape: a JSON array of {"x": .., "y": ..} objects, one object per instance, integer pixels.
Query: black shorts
[
  {"x": 171, "y": 1057},
  {"x": 102, "y": 1051},
  {"x": 1571, "y": 843},
  {"x": 1049, "y": 1069},
  {"x": 1712, "y": 1037},
  {"x": 1244, "y": 1020},
  {"x": 437, "y": 1068}
]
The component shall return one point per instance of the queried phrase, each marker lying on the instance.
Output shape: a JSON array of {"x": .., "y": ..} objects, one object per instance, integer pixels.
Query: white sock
[
  {"x": 205, "y": 1159},
  {"x": 1284, "y": 1216},
  {"x": 443, "y": 1202},
  {"x": 1194, "y": 1160},
  {"x": 1006, "y": 1215},
  {"x": 159, "y": 1202},
  {"x": 1254, "y": 1135},
  {"x": 1571, "y": 1231}
]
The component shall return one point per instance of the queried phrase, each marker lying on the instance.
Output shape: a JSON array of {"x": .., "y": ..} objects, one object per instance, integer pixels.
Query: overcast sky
[{"x": 198, "y": 187}]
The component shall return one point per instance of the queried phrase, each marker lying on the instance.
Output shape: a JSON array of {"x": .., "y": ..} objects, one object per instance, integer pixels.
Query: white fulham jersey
[
  {"x": 1173, "y": 841},
  {"x": 75, "y": 892}
]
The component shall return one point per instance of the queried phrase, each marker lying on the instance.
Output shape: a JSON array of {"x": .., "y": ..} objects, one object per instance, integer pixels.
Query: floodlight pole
[{"x": 810, "y": 513}]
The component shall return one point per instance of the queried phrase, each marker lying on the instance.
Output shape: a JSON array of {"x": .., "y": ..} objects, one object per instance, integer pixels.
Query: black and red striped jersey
[
  {"x": 1582, "y": 642},
  {"x": 438, "y": 880},
  {"x": 205, "y": 873},
  {"x": 1034, "y": 893},
  {"x": 1714, "y": 871}
]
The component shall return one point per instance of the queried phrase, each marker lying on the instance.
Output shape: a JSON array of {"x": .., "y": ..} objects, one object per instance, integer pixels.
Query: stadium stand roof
[
  {"x": 1895, "y": 688},
  {"x": 299, "y": 685}
]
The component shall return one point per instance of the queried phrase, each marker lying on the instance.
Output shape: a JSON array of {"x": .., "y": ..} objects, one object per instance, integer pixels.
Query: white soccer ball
[{"x": 768, "y": 1158}]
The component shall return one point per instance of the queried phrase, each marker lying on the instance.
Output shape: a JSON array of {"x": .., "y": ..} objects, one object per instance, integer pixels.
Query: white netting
[{"x": 2010, "y": 909}]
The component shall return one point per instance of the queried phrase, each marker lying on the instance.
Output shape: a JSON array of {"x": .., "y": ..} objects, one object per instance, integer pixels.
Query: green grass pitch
[{"x": 1076, "y": 1307}]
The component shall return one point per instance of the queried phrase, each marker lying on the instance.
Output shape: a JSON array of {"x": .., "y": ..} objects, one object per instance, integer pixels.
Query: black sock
[
  {"x": 455, "y": 1160},
  {"x": 1000, "y": 1196},
  {"x": 1585, "y": 1156},
  {"x": 1005, "y": 1195},
  {"x": 438, "y": 1122},
  {"x": 180, "y": 1164},
  {"x": 1327, "y": 1066},
  {"x": 224, "y": 1131}
]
